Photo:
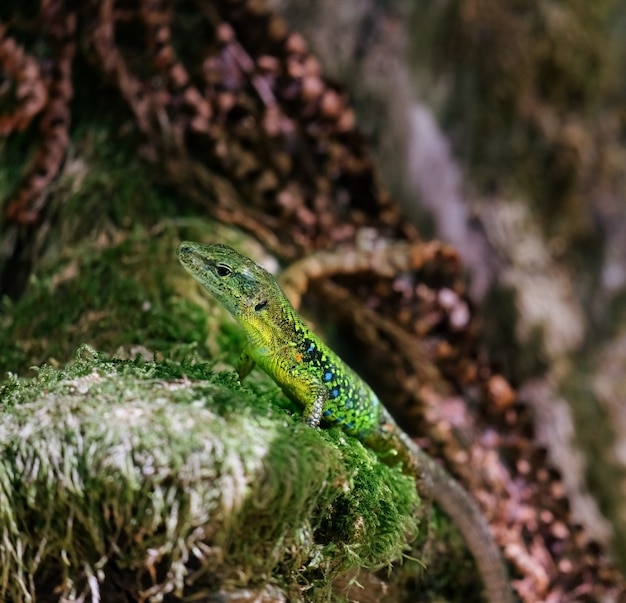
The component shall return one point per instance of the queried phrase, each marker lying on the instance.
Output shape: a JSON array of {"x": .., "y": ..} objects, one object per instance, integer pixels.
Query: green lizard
[{"x": 329, "y": 391}]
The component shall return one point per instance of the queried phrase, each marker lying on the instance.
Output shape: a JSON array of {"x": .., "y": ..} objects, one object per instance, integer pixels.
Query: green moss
[
  {"x": 171, "y": 464},
  {"x": 445, "y": 570},
  {"x": 88, "y": 292},
  {"x": 88, "y": 295}
]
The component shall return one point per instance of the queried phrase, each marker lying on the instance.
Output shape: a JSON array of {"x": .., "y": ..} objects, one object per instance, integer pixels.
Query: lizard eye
[{"x": 223, "y": 270}]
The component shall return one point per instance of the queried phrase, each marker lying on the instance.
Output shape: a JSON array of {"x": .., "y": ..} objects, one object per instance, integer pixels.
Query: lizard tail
[{"x": 434, "y": 482}]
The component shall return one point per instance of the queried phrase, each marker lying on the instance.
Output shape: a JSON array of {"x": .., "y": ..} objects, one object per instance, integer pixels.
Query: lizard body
[{"x": 329, "y": 391}]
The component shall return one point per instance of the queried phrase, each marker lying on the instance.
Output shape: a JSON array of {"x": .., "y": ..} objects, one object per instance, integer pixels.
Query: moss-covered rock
[{"x": 170, "y": 478}]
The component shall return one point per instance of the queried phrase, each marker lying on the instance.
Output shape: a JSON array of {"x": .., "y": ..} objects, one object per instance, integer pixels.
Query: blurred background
[{"x": 499, "y": 128}]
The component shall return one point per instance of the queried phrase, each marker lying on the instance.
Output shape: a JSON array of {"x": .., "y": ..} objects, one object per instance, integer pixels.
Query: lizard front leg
[
  {"x": 245, "y": 364},
  {"x": 306, "y": 390}
]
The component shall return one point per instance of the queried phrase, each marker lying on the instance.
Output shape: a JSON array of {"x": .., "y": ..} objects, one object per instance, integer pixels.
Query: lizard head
[{"x": 243, "y": 287}]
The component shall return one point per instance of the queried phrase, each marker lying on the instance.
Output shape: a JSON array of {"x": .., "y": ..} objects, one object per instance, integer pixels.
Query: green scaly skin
[{"x": 330, "y": 392}]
